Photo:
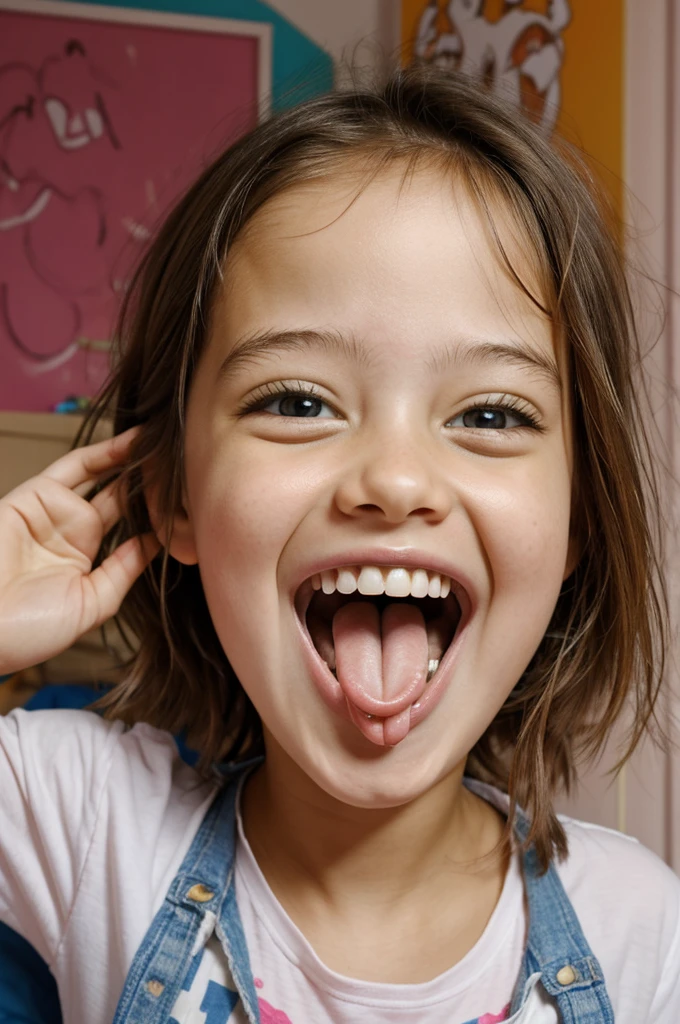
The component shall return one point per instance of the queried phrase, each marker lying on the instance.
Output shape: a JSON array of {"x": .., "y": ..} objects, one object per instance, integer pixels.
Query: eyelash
[
  {"x": 509, "y": 403},
  {"x": 278, "y": 389},
  {"x": 283, "y": 389}
]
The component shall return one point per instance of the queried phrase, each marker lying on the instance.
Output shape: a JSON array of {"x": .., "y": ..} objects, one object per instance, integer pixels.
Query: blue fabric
[
  {"x": 67, "y": 695},
  {"x": 556, "y": 941},
  {"x": 28, "y": 992}
]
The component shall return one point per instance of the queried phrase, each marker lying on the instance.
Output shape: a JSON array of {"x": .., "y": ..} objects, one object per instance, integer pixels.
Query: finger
[
  {"x": 109, "y": 504},
  {"x": 87, "y": 465},
  {"x": 111, "y": 581}
]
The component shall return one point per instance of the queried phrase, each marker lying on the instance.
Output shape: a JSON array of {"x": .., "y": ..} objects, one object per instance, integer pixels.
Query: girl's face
[{"x": 433, "y": 433}]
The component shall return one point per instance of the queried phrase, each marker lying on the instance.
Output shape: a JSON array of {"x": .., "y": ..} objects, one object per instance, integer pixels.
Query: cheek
[
  {"x": 522, "y": 528},
  {"x": 524, "y": 531},
  {"x": 246, "y": 505},
  {"x": 232, "y": 506},
  {"x": 237, "y": 535},
  {"x": 255, "y": 493}
]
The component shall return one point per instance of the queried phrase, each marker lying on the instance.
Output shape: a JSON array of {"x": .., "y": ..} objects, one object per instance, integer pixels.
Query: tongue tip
[
  {"x": 383, "y": 732},
  {"x": 397, "y": 727},
  {"x": 372, "y": 728}
]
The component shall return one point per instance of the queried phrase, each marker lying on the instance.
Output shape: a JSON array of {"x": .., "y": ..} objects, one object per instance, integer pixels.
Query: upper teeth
[{"x": 371, "y": 580}]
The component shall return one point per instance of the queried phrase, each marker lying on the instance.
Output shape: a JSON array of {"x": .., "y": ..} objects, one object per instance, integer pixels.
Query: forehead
[{"x": 407, "y": 254}]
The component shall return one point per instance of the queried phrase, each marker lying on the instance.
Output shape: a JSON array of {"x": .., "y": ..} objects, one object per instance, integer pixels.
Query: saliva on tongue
[{"x": 381, "y": 664}]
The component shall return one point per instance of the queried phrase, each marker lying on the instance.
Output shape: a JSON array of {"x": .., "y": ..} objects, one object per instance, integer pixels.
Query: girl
[{"x": 376, "y": 510}]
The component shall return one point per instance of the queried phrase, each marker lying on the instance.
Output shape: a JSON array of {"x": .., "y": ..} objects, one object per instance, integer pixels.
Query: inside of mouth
[{"x": 441, "y": 617}]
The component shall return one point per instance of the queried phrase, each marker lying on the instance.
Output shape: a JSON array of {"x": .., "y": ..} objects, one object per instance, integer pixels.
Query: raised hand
[{"x": 49, "y": 537}]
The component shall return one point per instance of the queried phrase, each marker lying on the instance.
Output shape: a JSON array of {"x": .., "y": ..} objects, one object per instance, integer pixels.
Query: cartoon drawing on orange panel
[{"x": 519, "y": 55}]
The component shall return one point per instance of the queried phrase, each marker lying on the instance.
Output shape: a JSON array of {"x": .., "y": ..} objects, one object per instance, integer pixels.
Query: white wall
[
  {"x": 651, "y": 174},
  {"x": 364, "y": 31}
]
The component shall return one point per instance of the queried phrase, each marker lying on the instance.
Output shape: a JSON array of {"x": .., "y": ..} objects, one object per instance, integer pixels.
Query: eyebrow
[
  {"x": 510, "y": 353},
  {"x": 269, "y": 343},
  {"x": 265, "y": 344}
]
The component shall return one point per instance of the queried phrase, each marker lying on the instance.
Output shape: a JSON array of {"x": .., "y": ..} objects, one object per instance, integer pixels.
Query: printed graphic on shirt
[
  {"x": 493, "y": 1018},
  {"x": 202, "y": 999},
  {"x": 269, "y": 1015},
  {"x": 209, "y": 996}
]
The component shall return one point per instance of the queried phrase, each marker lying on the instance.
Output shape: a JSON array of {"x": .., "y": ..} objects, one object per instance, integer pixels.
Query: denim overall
[{"x": 202, "y": 898}]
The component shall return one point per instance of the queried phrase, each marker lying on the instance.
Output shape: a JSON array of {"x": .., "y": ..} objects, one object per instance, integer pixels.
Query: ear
[{"x": 176, "y": 534}]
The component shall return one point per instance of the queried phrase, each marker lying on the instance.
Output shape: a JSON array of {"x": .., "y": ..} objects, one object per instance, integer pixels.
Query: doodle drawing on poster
[
  {"x": 58, "y": 103},
  {"x": 98, "y": 137},
  {"x": 519, "y": 55}
]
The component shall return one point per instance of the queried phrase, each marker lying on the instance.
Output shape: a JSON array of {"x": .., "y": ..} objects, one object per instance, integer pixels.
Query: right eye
[
  {"x": 298, "y": 405},
  {"x": 291, "y": 403}
]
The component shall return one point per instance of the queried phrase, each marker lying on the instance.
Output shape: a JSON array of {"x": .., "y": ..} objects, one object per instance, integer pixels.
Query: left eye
[
  {"x": 489, "y": 418},
  {"x": 298, "y": 405}
]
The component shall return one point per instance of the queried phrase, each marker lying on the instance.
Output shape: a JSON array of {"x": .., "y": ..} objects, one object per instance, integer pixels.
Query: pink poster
[{"x": 102, "y": 125}]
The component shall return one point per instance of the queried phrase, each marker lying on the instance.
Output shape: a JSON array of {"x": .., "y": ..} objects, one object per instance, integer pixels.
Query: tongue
[{"x": 381, "y": 665}]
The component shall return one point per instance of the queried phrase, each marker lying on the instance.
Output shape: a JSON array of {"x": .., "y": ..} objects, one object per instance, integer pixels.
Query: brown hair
[{"x": 603, "y": 651}]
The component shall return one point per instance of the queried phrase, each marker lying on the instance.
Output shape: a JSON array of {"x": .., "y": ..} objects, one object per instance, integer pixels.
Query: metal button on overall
[
  {"x": 566, "y": 975},
  {"x": 200, "y": 893}
]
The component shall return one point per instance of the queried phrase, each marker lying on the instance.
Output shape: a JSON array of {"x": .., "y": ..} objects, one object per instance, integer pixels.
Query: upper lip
[{"x": 407, "y": 558}]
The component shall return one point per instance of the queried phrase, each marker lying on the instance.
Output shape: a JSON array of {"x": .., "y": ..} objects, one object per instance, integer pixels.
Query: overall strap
[
  {"x": 557, "y": 947},
  {"x": 201, "y": 899}
]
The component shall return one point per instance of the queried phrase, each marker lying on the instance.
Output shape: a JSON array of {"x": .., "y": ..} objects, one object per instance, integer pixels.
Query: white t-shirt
[{"x": 96, "y": 820}]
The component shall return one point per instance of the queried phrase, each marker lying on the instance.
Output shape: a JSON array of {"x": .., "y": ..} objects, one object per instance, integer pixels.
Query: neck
[{"x": 311, "y": 845}]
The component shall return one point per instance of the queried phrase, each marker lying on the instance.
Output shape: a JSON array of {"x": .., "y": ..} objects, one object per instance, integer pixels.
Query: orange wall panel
[{"x": 591, "y": 76}]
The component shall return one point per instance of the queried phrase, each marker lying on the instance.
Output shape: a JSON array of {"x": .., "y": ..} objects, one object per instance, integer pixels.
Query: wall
[
  {"x": 361, "y": 30},
  {"x": 653, "y": 176},
  {"x": 590, "y": 81}
]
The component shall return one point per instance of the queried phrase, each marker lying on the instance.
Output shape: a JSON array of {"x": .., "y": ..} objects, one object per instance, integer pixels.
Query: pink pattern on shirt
[
  {"x": 493, "y": 1018},
  {"x": 268, "y": 1015}
]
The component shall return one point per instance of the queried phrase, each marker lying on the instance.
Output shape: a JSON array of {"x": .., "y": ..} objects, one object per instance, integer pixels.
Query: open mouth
[{"x": 385, "y": 639}]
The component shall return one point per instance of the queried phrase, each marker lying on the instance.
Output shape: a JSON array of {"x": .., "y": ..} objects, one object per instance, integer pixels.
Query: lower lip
[{"x": 332, "y": 694}]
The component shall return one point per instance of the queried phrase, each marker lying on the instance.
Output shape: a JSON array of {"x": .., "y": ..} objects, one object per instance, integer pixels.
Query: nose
[{"x": 391, "y": 479}]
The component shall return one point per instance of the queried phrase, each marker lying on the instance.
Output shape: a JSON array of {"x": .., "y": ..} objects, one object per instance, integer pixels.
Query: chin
[{"x": 363, "y": 776}]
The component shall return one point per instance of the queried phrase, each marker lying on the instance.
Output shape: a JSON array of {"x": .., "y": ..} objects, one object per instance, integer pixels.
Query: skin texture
[{"x": 350, "y": 835}]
